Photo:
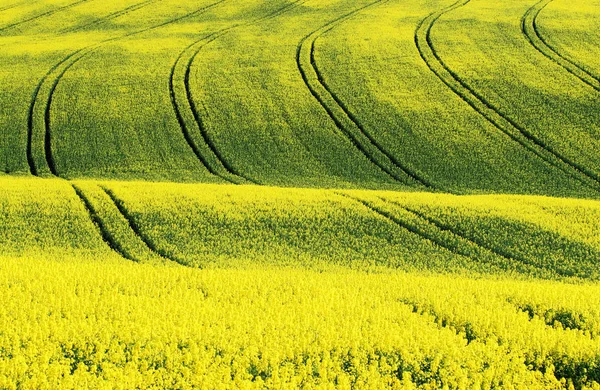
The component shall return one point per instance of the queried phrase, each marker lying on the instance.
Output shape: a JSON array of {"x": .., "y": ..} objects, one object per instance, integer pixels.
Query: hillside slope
[
  {"x": 460, "y": 98},
  {"x": 208, "y": 225},
  {"x": 300, "y": 287},
  {"x": 299, "y": 194}
]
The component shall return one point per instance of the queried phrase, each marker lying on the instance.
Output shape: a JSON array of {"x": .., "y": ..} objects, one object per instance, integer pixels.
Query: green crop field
[{"x": 290, "y": 194}]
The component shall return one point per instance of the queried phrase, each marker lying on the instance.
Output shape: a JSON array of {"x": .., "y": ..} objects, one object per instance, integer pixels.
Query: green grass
[{"x": 299, "y": 194}]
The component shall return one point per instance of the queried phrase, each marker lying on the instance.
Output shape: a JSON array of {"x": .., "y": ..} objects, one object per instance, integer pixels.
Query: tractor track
[
  {"x": 42, "y": 15},
  {"x": 487, "y": 110},
  {"x": 33, "y": 166},
  {"x": 111, "y": 16},
  {"x": 11, "y": 6},
  {"x": 108, "y": 238},
  {"x": 136, "y": 228},
  {"x": 52, "y": 80},
  {"x": 456, "y": 249},
  {"x": 210, "y": 156},
  {"x": 184, "y": 129},
  {"x": 406, "y": 226},
  {"x": 443, "y": 227},
  {"x": 347, "y": 123},
  {"x": 529, "y": 28}
]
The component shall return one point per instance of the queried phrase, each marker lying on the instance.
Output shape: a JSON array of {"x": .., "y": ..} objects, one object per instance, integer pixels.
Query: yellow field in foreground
[{"x": 84, "y": 323}]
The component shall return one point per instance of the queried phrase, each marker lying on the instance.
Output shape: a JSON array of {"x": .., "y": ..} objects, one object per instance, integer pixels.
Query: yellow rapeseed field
[{"x": 315, "y": 194}]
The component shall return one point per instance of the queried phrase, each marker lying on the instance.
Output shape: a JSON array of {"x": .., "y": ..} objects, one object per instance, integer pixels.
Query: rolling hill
[{"x": 284, "y": 194}]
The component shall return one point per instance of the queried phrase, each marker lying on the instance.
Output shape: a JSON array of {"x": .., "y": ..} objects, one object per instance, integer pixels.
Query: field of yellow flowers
[
  {"x": 247, "y": 287},
  {"x": 318, "y": 194},
  {"x": 88, "y": 323}
]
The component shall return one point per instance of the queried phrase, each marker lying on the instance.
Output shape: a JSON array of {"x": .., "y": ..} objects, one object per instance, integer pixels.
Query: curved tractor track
[
  {"x": 41, "y": 103},
  {"x": 137, "y": 230},
  {"x": 186, "y": 110},
  {"x": 441, "y": 236},
  {"x": 346, "y": 122},
  {"x": 488, "y": 111},
  {"x": 42, "y": 15},
  {"x": 110, "y": 16},
  {"x": 104, "y": 230},
  {"x": 481, "y": 245},
  {"x": 117, "y": 225},
  {"x": 40, "y": 109},
  {"x": 14, "y": 5},
  {"x": 529, "y": 27}
]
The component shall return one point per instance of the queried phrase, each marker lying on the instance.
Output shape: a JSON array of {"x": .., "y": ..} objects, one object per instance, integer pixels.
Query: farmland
[{"x": 299, "y": 194}]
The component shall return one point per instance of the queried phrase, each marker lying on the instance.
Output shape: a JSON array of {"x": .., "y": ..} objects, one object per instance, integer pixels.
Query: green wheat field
[{"x": 283, "y": 194}]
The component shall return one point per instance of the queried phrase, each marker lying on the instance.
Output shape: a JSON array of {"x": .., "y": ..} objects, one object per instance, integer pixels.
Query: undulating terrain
[{"x": 299, "y": 194}]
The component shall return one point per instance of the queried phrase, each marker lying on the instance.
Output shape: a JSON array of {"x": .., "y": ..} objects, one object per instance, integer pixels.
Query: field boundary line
[
  {"x": 58, "y": 71},
  {"x": 346, "y": 122},
  {"x": 210, "y": 156},
  {"x": 104, "y": 231},
  {"x": 136, "y": 228},
  {"x": 42, "y": 15},
  {"x": 529, "y": 27},
  {"x": 487, "y": 110}
]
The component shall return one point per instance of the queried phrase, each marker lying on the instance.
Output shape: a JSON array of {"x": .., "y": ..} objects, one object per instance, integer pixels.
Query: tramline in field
[{"x": 299, "y": 194}]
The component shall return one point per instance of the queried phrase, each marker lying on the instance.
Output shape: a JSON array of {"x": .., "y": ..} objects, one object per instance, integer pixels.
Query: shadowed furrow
[
  {"x": 537, "y": 356},
  {"x": 534, "y": 37},
  {"x": 186, "y": 110},
  {"x": 48, "y": 13},
  {"x": 501, "y": 254},
  {"x": 42, "y": 161},
  {"x": 556, "y": 317},
  {"x": 344, "y": 120},
  {"x": 11, "y": 6},
  {"x": 184, "y": 106},
  {"x": 115, "y": 227},
  {"x": 487, "y": 110},
  {"x": 47, "y": 152},
  {"x": 407, "y": 226},
  {"x": 37, "y": 156}
]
